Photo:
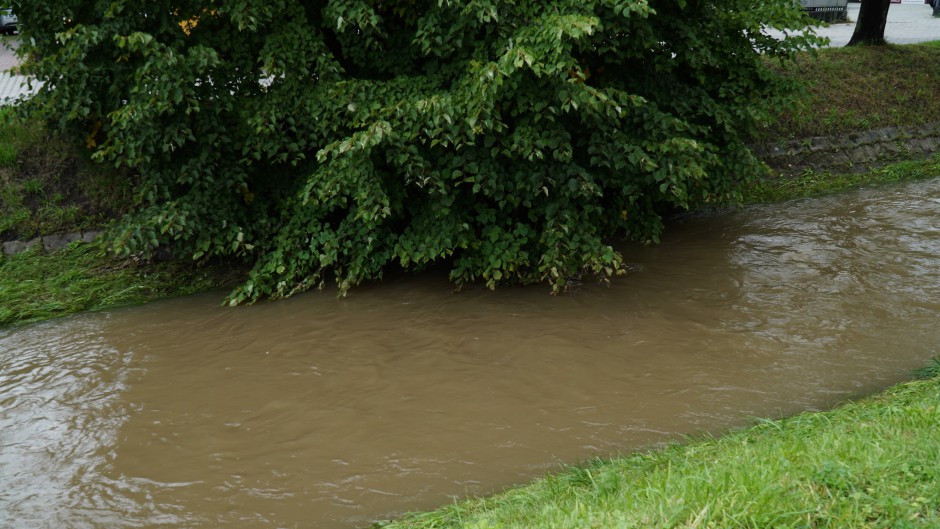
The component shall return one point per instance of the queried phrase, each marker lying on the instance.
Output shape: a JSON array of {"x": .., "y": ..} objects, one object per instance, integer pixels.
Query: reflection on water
[
  {"x": 61, "y": 405},
  {"x": 335, "y": 413}
]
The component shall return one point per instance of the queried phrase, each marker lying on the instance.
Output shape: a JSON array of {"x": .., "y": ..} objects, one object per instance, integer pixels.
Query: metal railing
[{"x": 828, "y": 10}]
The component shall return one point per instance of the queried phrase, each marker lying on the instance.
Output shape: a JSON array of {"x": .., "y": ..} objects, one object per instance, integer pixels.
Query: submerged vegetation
[{"x": 868, "y": 464}]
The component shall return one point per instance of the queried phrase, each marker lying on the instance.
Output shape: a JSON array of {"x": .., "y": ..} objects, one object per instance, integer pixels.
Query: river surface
[{"x": 328, "y": 413}]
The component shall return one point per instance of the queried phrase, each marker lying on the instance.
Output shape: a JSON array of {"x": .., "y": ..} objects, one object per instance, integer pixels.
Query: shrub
[{"x": 333, "y": 139}]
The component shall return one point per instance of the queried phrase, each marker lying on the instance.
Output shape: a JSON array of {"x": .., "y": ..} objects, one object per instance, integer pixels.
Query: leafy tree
[
  {"x": 332, "y": 139},
  {"x": 872, "y": 19}
]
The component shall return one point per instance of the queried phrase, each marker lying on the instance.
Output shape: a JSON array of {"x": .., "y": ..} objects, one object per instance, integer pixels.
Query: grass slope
[
  {"x": 860, "y": 88},
  {"x": 49, "y": 186},
  {"x": 37, "y": 286},
  {"x": 868, "y": 464}
]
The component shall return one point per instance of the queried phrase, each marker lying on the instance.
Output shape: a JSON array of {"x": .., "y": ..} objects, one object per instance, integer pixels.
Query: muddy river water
[{"x": 327, "y": 413}]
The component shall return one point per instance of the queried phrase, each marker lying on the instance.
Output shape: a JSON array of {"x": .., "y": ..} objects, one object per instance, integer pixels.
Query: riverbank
[
  {"x": 870, "y": 463},
  {"x": 48, "y": 189},
  {"x": 38, "y": 285}
]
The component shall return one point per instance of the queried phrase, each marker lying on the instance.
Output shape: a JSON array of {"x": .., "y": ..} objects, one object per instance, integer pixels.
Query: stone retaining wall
[
  {"x": 854, "y": 152},
  {"x": 48, "y": 242}
]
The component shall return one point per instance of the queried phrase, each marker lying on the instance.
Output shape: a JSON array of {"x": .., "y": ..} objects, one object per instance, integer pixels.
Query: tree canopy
[{"x": 514, "y": 140}]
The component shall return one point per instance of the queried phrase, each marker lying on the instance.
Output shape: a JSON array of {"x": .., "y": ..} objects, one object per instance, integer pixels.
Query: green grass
[
  {"x": 47, "y": 185},
  {"x": 36, "y": 286},
  {"x": 812, "y": 183},
  {"x": 860, "y": 88},
  {"x": 868, "y": 464},
  {"x": 14, "y": 136}
]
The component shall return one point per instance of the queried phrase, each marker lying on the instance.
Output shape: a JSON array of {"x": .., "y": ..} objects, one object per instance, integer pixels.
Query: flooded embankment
[{"x": 319, "y": 412}]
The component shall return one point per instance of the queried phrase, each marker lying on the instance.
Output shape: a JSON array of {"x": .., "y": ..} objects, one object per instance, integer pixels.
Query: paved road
[
  {"x": 907, "y": 23},
  {"x": 11, "y": 85}
]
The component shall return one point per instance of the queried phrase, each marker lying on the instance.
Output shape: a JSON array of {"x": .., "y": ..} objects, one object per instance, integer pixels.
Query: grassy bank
[
  {"x": 858, "y": 89},
  {"x": 867, "y": 464},
  {"x": 813, "y": 183},
  {"x": 48, "y": 186},
  {"x": 36, "y": 286}
]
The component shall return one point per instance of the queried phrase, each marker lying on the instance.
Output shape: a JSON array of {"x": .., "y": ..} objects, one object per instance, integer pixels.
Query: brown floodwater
[{"x": 334, "y": 413}]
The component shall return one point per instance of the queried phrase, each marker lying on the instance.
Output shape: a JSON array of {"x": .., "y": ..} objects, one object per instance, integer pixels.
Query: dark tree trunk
[{"x": 872, "y": 17}]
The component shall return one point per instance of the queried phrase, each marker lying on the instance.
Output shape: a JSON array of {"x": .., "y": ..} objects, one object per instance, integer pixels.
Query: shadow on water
[{"x": 335, "y": 413}]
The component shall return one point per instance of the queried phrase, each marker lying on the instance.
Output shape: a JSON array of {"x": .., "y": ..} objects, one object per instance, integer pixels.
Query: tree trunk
[{"x": 870, "y": 28}]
